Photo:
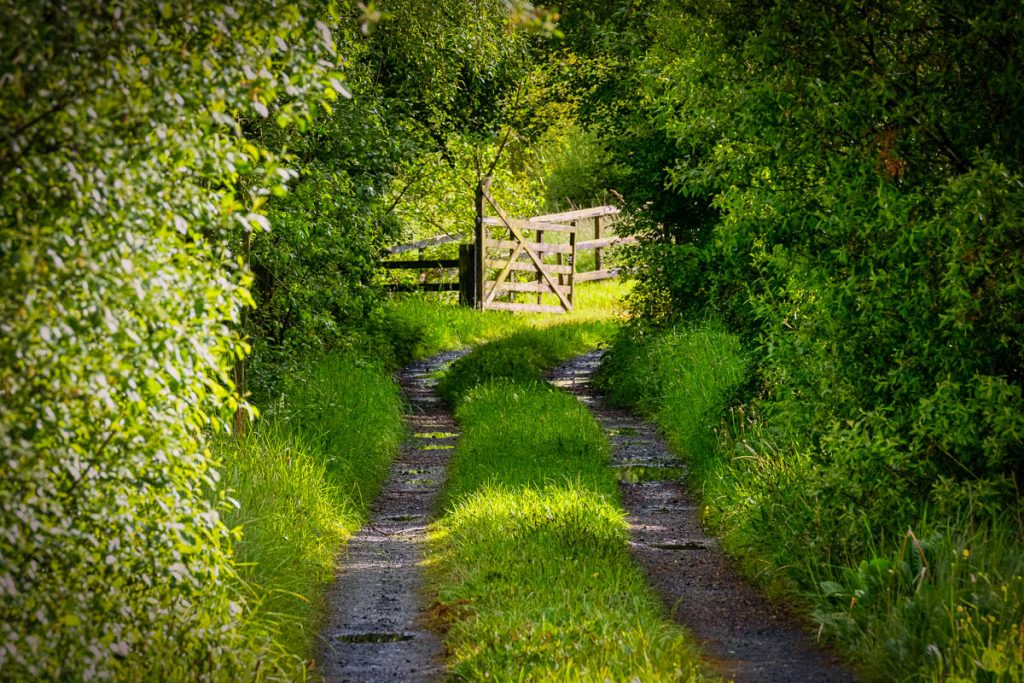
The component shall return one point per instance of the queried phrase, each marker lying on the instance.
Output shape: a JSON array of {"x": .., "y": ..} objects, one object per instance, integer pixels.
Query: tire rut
[
  {"x": 743, "y": 635},
  {"x": 374, "y": 625}
]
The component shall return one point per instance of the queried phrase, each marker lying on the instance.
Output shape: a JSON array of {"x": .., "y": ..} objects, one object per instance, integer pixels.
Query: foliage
[
  {"x": 531, "y": 560},
  {"x": 122, "y": 170},
  {"x": 314, "y": 272},
  {"x": 303, "y": 479},
  {"x": 577, "y": 169},
  {"x": 868, "y": 217}
]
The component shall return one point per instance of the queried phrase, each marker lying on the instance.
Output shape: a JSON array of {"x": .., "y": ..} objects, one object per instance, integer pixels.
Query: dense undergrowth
[
  {"x": 530, "y": 556},
  {"x": 940, "y": 598}
]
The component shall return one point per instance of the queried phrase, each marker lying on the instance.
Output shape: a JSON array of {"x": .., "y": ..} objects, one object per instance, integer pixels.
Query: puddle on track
[
  {"x": 688, "y": 545},
  {"x": 374, "y": 637}
]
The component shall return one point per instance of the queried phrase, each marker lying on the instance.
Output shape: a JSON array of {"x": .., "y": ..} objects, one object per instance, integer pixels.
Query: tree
[{"x": 862, "y": 162}]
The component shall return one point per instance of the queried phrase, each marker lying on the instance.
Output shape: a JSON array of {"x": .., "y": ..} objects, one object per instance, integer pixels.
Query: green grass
[
  {"x": 304, "y": 476},
  {"x": 303, "y": 479},
  {"x": 942, "y": 601},
  {"x": 530, "y": 558},
  {"x": 521, "y": 356},
  {"x": 422, "y": 325}
]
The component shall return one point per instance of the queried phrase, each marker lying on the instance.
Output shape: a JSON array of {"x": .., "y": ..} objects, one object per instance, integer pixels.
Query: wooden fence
[{"x": 513, "y": 258}]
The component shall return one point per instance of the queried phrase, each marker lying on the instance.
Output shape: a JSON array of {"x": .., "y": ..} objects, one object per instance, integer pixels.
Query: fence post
[
  {"x": 598, "y": 261},
  {"x": 540, "y": 277},
  {"x": 467, "y": 275},
  {"x": 572, "y": 265},
  {"x": 483, "y": 188}
]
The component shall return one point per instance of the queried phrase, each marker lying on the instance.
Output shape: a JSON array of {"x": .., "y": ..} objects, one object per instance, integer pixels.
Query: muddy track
[
  {"x": 743, "y": 636},
  {"x": 374, "y": 624}
]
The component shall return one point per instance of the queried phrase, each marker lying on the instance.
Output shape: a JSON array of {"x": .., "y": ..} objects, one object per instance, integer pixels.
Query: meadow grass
[
  {"x": 940, "y": 601},
  {"x": 530, "y": 557},
  {"x": 303, "y": 479}
]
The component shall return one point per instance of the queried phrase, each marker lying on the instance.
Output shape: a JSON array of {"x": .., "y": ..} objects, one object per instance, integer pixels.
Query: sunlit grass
[
  {"x": 521, "y": 356},
  {"x": 429, "y": 323},
  {"x": 530, "y": 557},
  {"x": 303, "y": 479}
]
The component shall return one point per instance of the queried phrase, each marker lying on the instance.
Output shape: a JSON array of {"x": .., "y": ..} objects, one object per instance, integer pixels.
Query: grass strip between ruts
[{"x": 530, "y": 558}]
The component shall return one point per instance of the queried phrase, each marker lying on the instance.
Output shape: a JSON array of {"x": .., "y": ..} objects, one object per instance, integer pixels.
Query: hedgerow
[{"x": 126, "y": 186}]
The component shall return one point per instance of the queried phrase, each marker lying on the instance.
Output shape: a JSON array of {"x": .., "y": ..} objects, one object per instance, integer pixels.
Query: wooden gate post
[
  {"x": 483, "y": 189},
  {"x": 467, "y": 275}
]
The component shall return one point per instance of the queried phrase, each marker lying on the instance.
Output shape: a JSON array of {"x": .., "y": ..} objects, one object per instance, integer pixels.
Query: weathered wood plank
[
  {"x": 605, "y": 242},
  {"x": 539, "y": 287},
  {"x": 529, "y": 266},
  {"x": 546, "y": 247},
  {"x": 467, "y": 274},
  {"x": 572, "y": 262},
  {"x": 520, "y": 224},
  {"x": 479, "y": 235},
  {"x": 420, "y": 265},
  {"x": 510, "y": 265},
  {"x": 422, "y": 244},
  {"x": 579, "y": 214},
  {"x": 526, "y": 308},
  {"x": 424, "y": 287},
  {"x": 598, "y": 275}
]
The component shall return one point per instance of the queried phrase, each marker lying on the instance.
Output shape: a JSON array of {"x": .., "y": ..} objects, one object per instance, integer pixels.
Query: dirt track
[
  {"x": 374, "y": 626},
  {"x": 743, "y": 635}
]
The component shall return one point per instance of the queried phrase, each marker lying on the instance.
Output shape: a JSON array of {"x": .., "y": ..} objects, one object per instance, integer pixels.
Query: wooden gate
[{"x": 513, "y": 258}]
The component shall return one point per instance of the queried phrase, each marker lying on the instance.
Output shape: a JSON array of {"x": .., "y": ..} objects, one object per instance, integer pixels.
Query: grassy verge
[
  {"x": 303, "y": 480},
  {"x": 942, "y": 600},
  {"x": 530, "y": 557}
]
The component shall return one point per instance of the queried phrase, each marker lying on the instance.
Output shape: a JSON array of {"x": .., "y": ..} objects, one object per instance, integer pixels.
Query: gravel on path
[
  {"x": 375, "y": 625},
  {"x": 742, "y": 634}
]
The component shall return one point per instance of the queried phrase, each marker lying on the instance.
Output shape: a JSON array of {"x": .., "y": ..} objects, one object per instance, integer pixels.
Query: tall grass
[
  {"x": 940, "y": 601},
  {"x": 302, "y": 481},
  {"x": 530, "y": 557}
]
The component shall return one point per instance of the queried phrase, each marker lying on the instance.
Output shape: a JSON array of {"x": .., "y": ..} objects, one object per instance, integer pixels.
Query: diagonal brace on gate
[{"x": 523, "y": 245}]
